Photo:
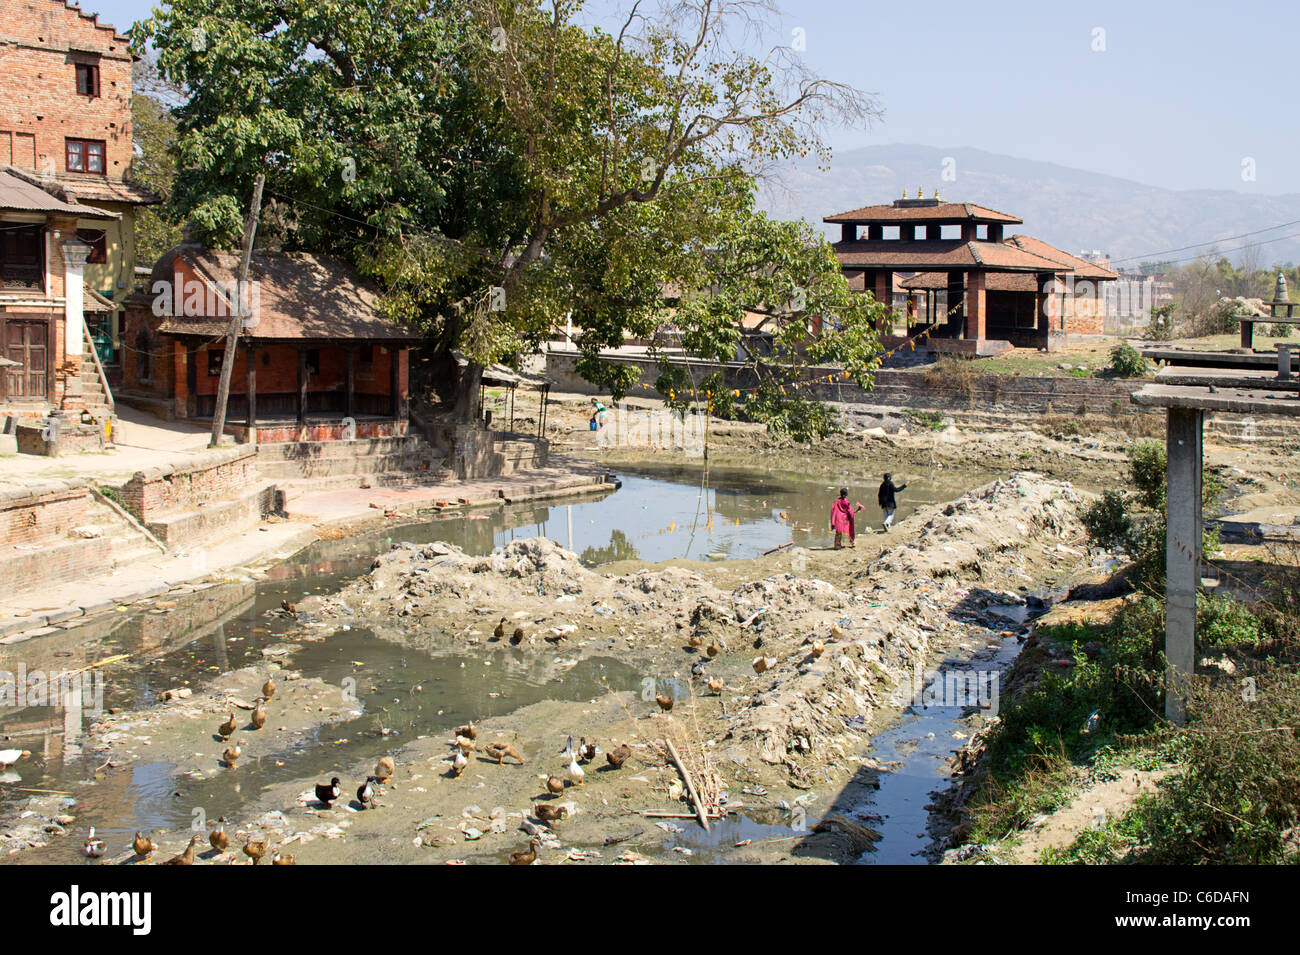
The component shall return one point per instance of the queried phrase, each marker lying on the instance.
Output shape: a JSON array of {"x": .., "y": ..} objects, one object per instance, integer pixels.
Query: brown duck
[
  {"x": 384, "y": 769},
  {"x": 548, "y": 813},
  {"x": 142, "y": 846},
  {"x": 525, "y": 857},
  {"x": 254, "y": 850},
  {"x": 469, "y": 731},
  {"x": 268, "y": 688},
  {"x": 231, "y": 755},
  {"x": 617, "y": 757},
  {"x": 500, "y": 631},
  {"x": 517, "y": 637},
  {"x": 186, "y": 857},
  {"x": 554, "y": 784},
  {"x": 258, "y": 719},
  {"x": 665, "y": 702},
  {"x": 713, "y": 649},
  {"x": 277, "y": 859},
  {"x": 586, "y": 751},
  {"x": 499, "y": 752},
  {"x": 227, "y": 729},
  {"x": 218, "y": 838}
]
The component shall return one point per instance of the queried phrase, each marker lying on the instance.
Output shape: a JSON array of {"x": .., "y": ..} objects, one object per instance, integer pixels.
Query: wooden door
[{"x": 28, "y": 344}]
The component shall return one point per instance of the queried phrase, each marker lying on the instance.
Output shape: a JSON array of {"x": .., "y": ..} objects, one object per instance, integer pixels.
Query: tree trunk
[{"x": 466, "y": 407}]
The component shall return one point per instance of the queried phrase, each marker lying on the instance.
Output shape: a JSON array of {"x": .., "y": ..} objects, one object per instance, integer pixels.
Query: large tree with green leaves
[{"x": 499, "y": 164}]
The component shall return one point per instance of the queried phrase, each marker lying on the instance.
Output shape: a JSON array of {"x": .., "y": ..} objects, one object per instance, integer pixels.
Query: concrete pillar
[
  {"x": 1182, "y": 549},
  {"x": 75, "y": 253}
]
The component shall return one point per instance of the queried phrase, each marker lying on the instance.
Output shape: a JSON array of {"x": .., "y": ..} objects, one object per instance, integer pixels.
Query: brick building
[
  {"x": 65, "y": 118},
  {"x": 952, "y": 269},
  {"x": 313, "y": 353}
]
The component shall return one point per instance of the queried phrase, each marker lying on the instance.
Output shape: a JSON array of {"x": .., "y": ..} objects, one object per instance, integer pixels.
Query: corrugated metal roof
[{"x": 19, "y": 193}]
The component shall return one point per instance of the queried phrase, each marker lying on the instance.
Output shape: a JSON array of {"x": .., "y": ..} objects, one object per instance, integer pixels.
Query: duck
[
  {"x": 713, "y": 649},
  {"x": 327, "y": 794},
  {"x": 618, "y": 756},
  {"x": 277, "y": 859},
  {"x": 268, "y": 688},
  {"x": 366, "y": 793},
  {"x": 469, "y": 730},
  {"x": 93, "y": 847},
  {"x": 665, "y": 702},
  {"x": 254, "y": 849},
  {"x": 575, "y": 771},
  {"x": 837, "y": 632},
  {"x": 289, "y": 608},
  {"x": 142, "y": 846},
  {"x": 186, "y": 857},
  {"x": 517, "y": 637},
  {"x": 384, "y": 769},
  {"x": 8, "y": 757},
  {"x": 554, "y": 784},
  {"x": 500, "y": 631},
  {"x": 586, "y": 751},
  {"x": 762, "y": 664},
  {"x": 818, "y": 648},
  {"x": 695, "y": 641},
  {"x": 231, "y": 755},
  {"x": 715, "y": 686},
  {"x": 227, "y": 729},
  {"x": 499, "y": 751},
  {"x": 258, "y": 719},
  {"x": 548, "y": 813},
  {"x": 555, "y": 638},
  {"x": 464, "y": 744},
  {"x": 458, "y": 763},
  {"x": 525, "y": 856},
  {"x": 217, "y": 838}
]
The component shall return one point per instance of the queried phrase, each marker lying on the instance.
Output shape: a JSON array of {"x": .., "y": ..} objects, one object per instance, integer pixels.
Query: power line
[{"x": 1198, "y": 245}]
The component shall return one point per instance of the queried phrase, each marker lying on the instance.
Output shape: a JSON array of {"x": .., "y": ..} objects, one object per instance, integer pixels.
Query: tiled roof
[
  {"x": 298, "y": 296},
  {"x": 925, "y": 255},
  {"x": 923, "y": 212},
  {"x": 93, "y": 189},
  {"x": 20, "y": 192},
  {"x": 1083, "y": 269}
]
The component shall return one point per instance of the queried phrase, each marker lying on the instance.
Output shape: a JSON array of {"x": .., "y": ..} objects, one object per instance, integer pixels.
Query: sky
[{"x": 1183, "y": 95}]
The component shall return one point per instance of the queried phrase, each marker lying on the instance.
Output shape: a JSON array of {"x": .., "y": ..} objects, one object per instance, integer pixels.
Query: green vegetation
[
  {"x": 933, "y": 420},
  {"x": 1127, "y": 362}
]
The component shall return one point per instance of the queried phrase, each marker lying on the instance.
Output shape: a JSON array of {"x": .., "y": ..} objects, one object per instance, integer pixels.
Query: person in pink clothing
[{"x": 842, "y": 518}]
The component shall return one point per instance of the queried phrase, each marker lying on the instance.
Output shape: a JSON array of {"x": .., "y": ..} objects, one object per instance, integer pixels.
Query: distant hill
[{"x": 1070, "y": 208}]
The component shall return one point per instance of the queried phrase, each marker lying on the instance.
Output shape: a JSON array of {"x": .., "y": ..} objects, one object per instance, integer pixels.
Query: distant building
[
  {"x": 976, "y": 289},
  {"x": 1130, "y": 298}
]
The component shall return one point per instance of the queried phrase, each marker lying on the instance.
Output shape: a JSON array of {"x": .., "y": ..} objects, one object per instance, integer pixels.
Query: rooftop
[
  {"x": 21, "y": 192},
  {"x": 917, "y": 211}
]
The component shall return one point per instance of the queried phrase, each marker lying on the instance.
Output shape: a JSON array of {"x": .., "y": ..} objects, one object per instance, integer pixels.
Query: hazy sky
[{"x": 1177, "y": 94}]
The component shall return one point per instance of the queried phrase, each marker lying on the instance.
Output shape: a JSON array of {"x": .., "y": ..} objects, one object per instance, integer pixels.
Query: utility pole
[{"x": 238, "y": 314}]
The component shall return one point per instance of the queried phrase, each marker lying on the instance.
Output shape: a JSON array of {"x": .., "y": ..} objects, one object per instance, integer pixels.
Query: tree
[
  {"x": 154, "y": 166},
  {"x": 495, "y": 164}
]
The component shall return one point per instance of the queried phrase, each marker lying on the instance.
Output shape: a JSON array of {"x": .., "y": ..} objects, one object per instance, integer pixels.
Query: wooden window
[
  {"x": 87, "y": 79},
  {"x": 20, "y": 258},
  {"x": 85, "y": 155},
  {"x": 97, "y": 239},
  {"x": 215, "y": 358},
  {"x": 313, "y": 361},
  {"x": 366, "y": 359}
]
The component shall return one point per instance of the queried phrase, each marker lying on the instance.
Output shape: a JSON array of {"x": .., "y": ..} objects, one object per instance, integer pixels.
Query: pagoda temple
[{"x": 953, "y": 270}]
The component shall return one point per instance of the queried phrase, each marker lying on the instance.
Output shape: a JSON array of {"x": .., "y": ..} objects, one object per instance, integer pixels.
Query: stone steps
[
  {"x": 306, "y": 450},
  {"x": 296, "y": 489}
]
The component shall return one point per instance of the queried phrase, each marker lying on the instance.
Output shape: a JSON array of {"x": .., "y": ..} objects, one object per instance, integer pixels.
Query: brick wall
[
  {"x": 39, "y": 104},
  {"x": 57, "y": 562},
  {"x": 219, "y": 474},
  {"x": 30, "y": 516}
]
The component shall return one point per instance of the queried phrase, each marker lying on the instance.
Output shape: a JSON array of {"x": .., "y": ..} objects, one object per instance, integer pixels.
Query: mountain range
[{"x": 1073, "y": 209}]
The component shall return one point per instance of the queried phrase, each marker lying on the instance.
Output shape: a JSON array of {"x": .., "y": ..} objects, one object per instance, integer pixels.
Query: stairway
[{"x": 299, "y": 466}]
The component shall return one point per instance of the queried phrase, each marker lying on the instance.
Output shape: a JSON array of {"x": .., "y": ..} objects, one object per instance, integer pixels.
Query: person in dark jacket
[{"x": 886, "y": 498}]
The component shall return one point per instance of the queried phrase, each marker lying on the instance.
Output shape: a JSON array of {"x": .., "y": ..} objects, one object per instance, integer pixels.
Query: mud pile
[{"x": 807, "y": 662}]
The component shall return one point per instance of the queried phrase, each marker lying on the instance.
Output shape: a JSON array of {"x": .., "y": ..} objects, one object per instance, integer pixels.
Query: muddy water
[{"x": 402, "y": 692}]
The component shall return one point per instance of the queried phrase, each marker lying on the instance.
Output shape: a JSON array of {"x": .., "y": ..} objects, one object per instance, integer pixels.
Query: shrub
[
  {"x": 1161, "y": 326},
  {"x": 1280, "y": 331},
  {"x": 1127, "y": 362}
]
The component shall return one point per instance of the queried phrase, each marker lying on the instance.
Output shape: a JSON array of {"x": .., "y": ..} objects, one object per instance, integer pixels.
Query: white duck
[
  {"x": 93, "y": 847},
  {"x": 575, "y": 771},
  {"x": 10, "y": 756}
]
